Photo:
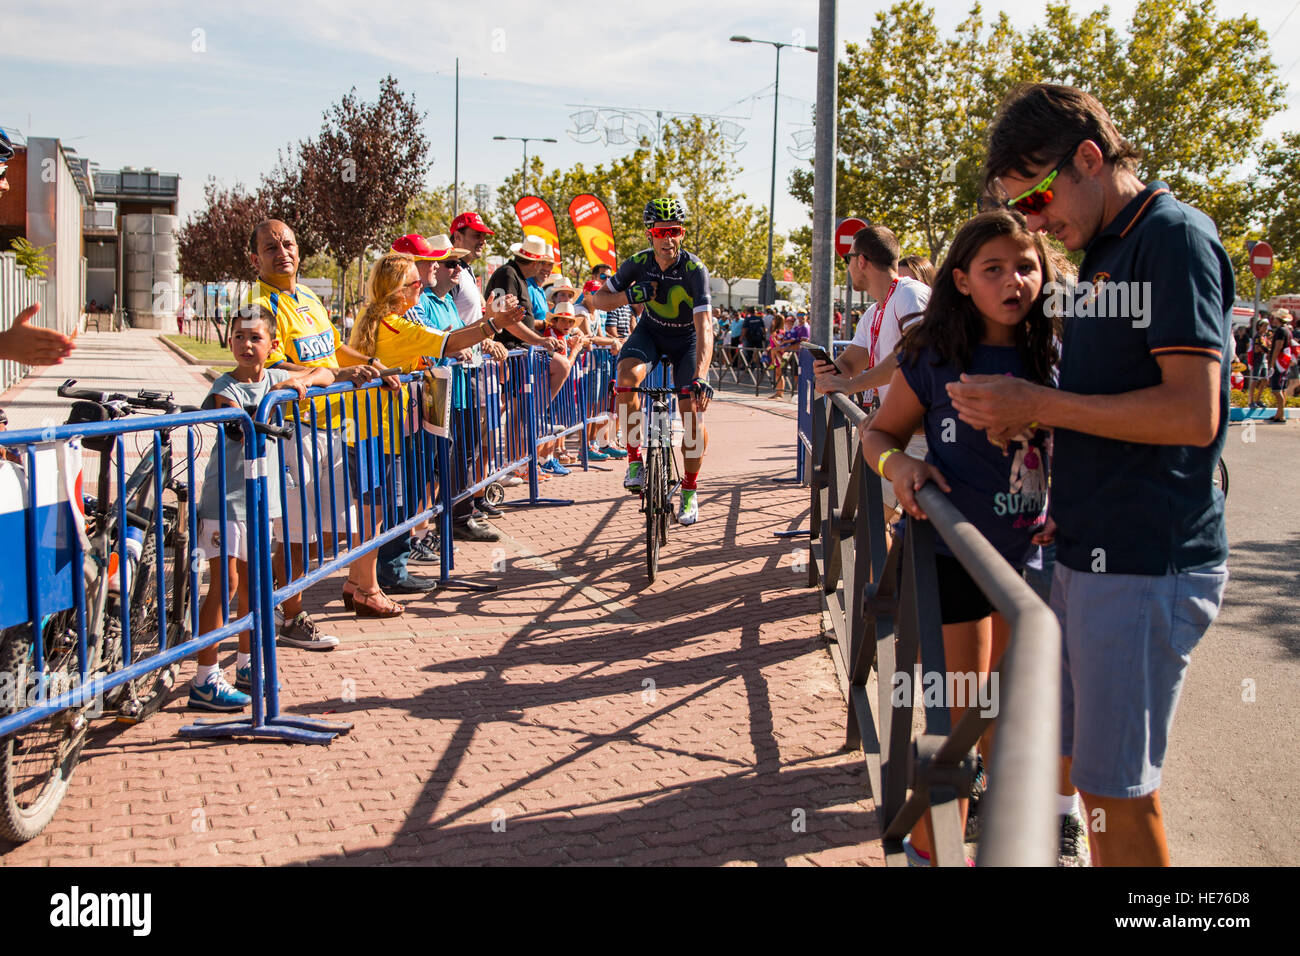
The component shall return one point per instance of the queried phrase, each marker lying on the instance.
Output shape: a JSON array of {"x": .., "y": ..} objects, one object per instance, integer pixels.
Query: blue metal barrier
[
  {"x": 349, "y": 445},
  {"x": 53, "y": 526},
  {"x": 540, "y": 412},
  {"x": 803, "y": 426}
]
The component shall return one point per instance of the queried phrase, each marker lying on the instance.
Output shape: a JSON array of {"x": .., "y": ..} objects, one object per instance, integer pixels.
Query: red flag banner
[
  {"x": 536, "y": 218},
  {"x": 591, "y": 220}
]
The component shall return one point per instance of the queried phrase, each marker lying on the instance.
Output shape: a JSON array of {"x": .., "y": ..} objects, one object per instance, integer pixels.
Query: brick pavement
[{"x": 575, "y": 716}]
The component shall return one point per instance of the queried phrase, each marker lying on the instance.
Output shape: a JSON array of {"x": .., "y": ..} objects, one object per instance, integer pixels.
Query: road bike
[
  {"x": 37, "y": 761},
  {"x": 660, "y": 479}
]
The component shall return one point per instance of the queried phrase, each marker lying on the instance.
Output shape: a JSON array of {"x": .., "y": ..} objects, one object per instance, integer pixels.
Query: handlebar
[{"x": 145, "y": 398}]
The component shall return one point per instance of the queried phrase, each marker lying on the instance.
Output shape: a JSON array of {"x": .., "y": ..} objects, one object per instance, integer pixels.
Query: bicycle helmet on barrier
[{"x": 664, "y": 209}]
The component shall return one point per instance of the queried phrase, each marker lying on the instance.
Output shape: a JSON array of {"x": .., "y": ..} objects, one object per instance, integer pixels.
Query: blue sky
[{"x": 133, "y": 83}]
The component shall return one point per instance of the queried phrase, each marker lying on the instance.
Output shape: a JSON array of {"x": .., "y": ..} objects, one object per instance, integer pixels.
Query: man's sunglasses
[
  {"x": 450, "y": 265},
  {"x": 667, "y": 232},
  {"x": 1035, "y": 199}
]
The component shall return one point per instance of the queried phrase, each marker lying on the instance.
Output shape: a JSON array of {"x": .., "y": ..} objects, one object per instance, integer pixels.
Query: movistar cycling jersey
[{"x": 683, "y": 289}]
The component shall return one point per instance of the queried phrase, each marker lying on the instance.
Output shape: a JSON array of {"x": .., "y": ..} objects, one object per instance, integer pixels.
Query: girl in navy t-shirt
[{"x": 986, "y": 315}]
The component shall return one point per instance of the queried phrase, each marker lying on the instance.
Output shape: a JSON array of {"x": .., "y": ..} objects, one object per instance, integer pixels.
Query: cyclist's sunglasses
[
  {"x": 667, "y": 232},
  {"x": 1035, "y": 199}
]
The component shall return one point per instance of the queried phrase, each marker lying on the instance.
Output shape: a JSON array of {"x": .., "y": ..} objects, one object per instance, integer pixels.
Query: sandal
[
  {"x": 349, "y": 601},
  {"x": 362, "y": 606}
]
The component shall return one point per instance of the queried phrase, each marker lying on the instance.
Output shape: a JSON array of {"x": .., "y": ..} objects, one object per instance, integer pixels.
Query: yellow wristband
[{"x": 880, "y": 462}]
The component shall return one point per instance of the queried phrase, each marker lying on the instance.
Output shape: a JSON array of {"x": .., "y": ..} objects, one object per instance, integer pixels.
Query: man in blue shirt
[{"x": 1139, "y": 423}]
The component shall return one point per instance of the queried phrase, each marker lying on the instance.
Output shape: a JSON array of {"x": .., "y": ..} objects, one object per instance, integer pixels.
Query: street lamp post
[
  {"x": 767, "y": 285},
  {"x": 526, "y": 140}
]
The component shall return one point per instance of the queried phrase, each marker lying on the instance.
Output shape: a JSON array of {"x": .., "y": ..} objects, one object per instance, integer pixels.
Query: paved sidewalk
[
  {"x": 124, "y": 361},
  {"x": 575, "y": 716}
]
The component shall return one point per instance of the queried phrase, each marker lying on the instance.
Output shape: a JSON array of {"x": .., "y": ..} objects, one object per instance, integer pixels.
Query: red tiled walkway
[{"x": 576, "y": 716}]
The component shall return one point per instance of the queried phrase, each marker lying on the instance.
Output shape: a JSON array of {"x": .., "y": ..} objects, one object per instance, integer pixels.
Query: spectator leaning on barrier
[
  {"x": 528, "y": 260},
  {"x": 468, "y": 231},
  {"x": 439, "y": 310},
  {"x": 1139, "y": 418},
  {"x": 251, "y": 340},
  {"x": 386, "y": 330},
  {"x": 306, "y": 339},
  {"x": 531, "y": 260},
  {"x": 869, "y": 362},
  {"x": 391, "y": 563}
]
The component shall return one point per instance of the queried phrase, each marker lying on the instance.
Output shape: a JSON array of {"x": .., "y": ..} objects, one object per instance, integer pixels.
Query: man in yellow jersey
[{"x": 306, "y": 338}]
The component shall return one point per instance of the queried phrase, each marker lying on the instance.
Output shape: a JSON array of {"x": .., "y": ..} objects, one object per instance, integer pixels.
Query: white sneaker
[
  {"x": 689, "y": 513},
  {"x": 511, "y": 481},
  {"x": 633, "y": 480}
]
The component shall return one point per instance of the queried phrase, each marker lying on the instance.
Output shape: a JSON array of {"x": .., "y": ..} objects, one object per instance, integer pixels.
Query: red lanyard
[{"x": 877, "y": 320}]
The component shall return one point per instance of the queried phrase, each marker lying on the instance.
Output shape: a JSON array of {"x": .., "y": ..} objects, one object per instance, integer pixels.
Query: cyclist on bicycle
[{"x": 677, "y": 323}]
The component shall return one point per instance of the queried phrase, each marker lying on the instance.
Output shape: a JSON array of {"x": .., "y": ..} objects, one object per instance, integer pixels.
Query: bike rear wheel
[
  {"x": 1221, "y": 477},
  {"x": 37, "y": 762}
]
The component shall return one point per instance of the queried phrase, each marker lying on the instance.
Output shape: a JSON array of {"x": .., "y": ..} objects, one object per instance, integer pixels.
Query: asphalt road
[{"x": 1232, "y": 768}]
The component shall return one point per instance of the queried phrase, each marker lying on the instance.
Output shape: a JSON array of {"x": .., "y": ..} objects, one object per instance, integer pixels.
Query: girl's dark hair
[{"x": 952, "y": 326}]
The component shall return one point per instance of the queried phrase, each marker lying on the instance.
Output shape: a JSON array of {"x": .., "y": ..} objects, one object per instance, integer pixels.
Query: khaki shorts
[{"x": 321, "y": 470}]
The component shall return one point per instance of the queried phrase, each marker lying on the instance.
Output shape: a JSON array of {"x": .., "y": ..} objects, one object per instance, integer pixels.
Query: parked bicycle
[{"x": 135, "y": 536}]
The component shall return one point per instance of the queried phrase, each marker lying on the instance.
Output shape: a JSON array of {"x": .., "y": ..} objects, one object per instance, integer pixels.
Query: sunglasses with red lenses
[
  {"x": 1034, "y": 200},
  {"x": 667, "y": 232}
]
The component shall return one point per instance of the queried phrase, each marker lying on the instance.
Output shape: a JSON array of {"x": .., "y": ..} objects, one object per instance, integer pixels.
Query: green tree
[
  {"x": 913, "y": 112},
  {"x": 213, "y": 244},
  {"x": 690, "y": 165},
  {"x": 1279, "y": 185},
  {"x": 429, "y": 212},
  {"x": 34, "y": 260},
  {"x": 743, "y": 252},
  {"x": 354, "y": 182},
  {"x": 1188, "y": 88}
]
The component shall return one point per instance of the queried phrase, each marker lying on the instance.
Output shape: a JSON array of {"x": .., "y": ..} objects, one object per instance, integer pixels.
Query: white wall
[{"x": 54, "y": 222}]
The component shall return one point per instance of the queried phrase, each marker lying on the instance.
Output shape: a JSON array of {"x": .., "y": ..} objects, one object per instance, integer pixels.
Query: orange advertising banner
[
  {"x": 591, "y": 220},
  {"x": 536, "y": 218}
]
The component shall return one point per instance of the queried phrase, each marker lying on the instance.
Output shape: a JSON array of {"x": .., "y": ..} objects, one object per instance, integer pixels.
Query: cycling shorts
[{"x": 647, "y": 346}]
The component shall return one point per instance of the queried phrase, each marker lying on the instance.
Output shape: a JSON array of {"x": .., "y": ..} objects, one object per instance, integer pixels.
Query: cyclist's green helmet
[{"x": 664, "y": 209}]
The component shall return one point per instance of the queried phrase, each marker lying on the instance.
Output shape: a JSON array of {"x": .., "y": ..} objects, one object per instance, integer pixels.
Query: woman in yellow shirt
[{"x": 392, "y": 340}]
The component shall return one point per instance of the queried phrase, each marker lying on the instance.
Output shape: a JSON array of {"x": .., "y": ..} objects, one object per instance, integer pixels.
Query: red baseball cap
[
  {"x": 470, "y": 220},
  {"x": 592, "y": 285},
  {"x": 415, "y": 245}
]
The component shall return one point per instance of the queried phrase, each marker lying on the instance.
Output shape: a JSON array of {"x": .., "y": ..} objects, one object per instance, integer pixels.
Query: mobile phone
[{"x": 821, "y": 355}]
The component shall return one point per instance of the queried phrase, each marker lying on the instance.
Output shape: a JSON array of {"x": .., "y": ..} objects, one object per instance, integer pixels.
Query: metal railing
[
  {"x": 748, "y": 366},
  {"x": 884, "y": 612},
  {"x": 45, "y": 584}
]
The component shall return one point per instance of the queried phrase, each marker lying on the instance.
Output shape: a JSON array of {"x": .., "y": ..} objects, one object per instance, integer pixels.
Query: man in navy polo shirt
[{"x": 1139, "y": 422}]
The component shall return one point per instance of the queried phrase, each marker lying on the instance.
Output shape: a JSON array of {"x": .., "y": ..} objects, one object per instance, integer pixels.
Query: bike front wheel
[
  {"x": 36, "y": 762},
  {"x": 653, "y": 505}
]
